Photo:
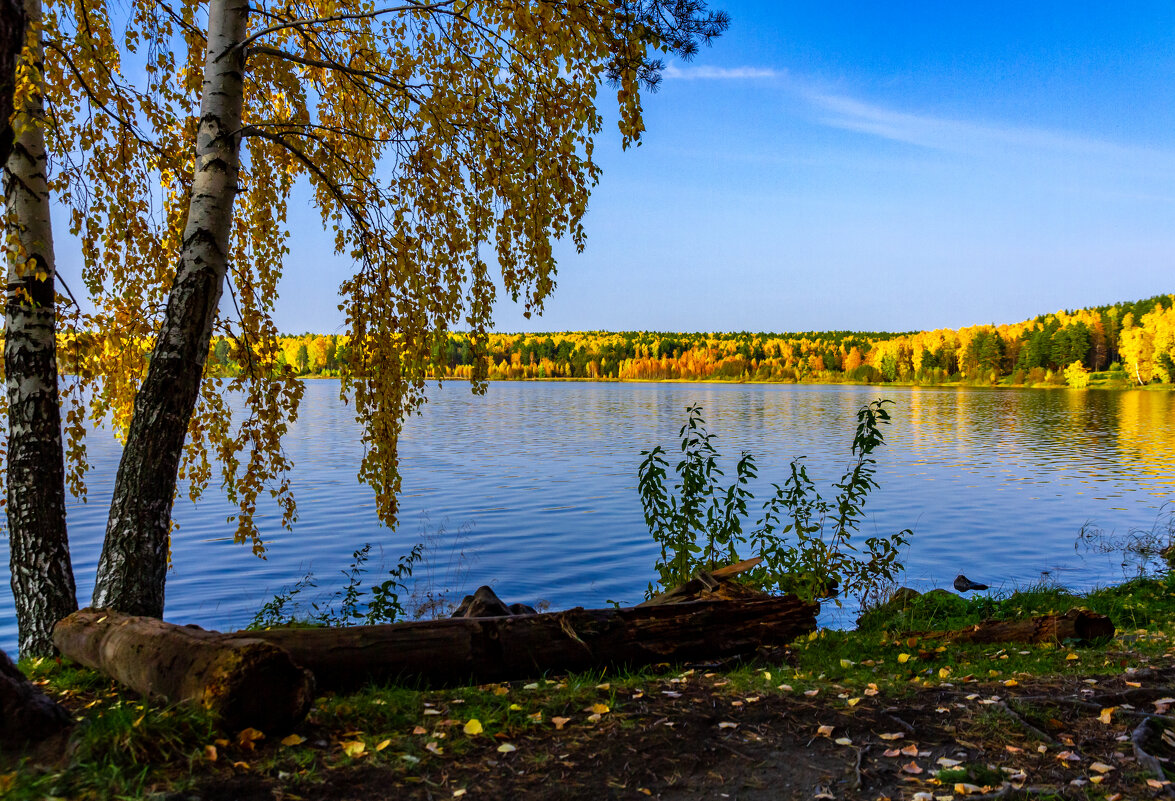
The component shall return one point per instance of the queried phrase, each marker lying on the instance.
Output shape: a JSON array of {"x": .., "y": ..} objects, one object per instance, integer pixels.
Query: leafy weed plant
[{"x": 700, "y": 525}]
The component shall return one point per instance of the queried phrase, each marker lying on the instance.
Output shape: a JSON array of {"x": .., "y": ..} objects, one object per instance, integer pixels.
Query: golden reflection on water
[{"x": 1146, "y": 434}]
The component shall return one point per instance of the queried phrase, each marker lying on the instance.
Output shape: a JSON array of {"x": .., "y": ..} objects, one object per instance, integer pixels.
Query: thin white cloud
[
  {"x": 966, "y": 136},
  {"x": 707, "y": 73}
]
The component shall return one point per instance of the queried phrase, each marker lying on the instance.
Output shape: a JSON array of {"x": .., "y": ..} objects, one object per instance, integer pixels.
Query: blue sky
[
  {"x": 868, "y": 166},
  {"x": 893, "y": 166}
]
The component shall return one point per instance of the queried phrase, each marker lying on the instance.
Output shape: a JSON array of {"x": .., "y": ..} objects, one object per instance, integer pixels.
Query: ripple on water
[{"x": 532, "y": 488}]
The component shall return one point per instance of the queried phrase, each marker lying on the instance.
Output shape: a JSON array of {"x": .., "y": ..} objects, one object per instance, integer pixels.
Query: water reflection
[{"x": 541, "y": 476}]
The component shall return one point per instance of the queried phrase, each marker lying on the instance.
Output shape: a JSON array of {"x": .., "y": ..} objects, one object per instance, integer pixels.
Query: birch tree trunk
[
  {"x": 42, "y": 576},
  {"x": 133, "y": 565},
  {"x": 12, "y": 31}
]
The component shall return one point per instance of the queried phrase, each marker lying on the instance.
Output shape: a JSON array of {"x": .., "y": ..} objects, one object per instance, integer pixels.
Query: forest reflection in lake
[{"x": 533, "y": 487}]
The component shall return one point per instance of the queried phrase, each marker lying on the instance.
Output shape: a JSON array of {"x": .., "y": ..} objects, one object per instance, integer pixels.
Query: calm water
[{"x": 531, "y": 488}]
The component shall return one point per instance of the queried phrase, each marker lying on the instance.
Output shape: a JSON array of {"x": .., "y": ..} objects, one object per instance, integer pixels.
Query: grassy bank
[{"x": 860, "y": 714}]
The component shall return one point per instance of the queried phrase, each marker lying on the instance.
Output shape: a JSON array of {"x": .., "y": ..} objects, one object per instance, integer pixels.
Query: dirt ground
[{"x": 683, "y": 740}]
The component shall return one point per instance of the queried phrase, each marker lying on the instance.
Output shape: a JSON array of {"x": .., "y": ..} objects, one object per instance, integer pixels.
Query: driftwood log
[
  {"x": 1078, "y": 625},
  {"x": 458, "y": 651},
  {"x": 713, "y": 585},
  {"x": 27, "y": 715},
  {"x": 241, "y": 680}
]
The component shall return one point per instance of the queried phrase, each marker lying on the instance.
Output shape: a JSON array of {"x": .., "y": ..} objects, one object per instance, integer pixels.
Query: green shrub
[{"x": 700, "y": 525}]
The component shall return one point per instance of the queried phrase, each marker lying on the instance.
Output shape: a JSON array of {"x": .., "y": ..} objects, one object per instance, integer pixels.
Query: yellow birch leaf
[{"x": 473, "y": 727}]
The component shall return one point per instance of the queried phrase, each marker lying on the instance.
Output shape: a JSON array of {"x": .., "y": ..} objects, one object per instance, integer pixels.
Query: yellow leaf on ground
[
  {"x": 605, "y": 686},
  {"x": 846, "y": 663},
  {"x": 853, "y": 701},
  {"x": 210, "y": 753},
  {"x": 1011, "y": 683},
  {"x": 903, "y": 658},
  {"x": 473, "y": 727},
  {"x": 537, "y": 717},
  {"x": 891, "y": 735},
  {"x": 726, "y": 724},
  {"x": 515, "y": 708},
  {"x": 824, "y": 731},
  {"x": 383, "y": 744},
  {"x": 1101, "y": 767},
  {"x": 843, "y": 741},
  {"x": 600, "y": 709},
  {"x": 501, "y": 691},
  {"x": 247, "y": 737},
  {"x": 353, "y": 748},
  {"x": 560, "y": 722},
  {"x": 943, "y": 672},
  {"x": 506, "y": 748},
  {"x": 1106, "y": 714},
  {"x": 293, "y": 739}
]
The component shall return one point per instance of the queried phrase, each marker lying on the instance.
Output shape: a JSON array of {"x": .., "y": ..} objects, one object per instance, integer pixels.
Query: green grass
[
  {"x": 128, "y": 748},
  {"x": 1134, "y": 604}
]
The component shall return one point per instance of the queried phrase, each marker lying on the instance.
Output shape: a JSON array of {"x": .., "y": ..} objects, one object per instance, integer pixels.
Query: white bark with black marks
[
  {"x": 133, "y": 565},
  {"x": 42, "y": 575}
]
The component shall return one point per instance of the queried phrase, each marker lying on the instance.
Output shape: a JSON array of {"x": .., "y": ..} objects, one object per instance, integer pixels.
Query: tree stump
[{"x": 27, "y": 715}]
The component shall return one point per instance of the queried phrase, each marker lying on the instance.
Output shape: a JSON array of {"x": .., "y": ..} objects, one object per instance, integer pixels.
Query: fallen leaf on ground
[
  {"x": 824, "y": 731},
  {"x": 903, "y": 658},
  {"x": 962, "y": 788},
  {"x": 910, "y": 750},
  {"x": 420, "y": 730},
  {"x": 843, "y": 741},
  {"x": 892, "y": 752},
  {"x": 210, "y": 753},
  {"x": 853, "y": 701},
  {"x": 1068, "y": 756},
  {"x": 947, "y": 763},
  {"x": 1105, "y": 715},
  {"x": 499, "y": 691},
  {"x": 911, "y": 768},
  {"x": 891, "y": 735},
  {"x": 1101, "y": 767},
  {"x": 246, "y": 738},
  {"x": 726, "y": 724},
  {"x": 872, "y": 690},
  {"x": 811, "y": 693},
  {"x": 600, "y": 709},
  {"x": 605, "y": 686},
  {"x": 1011, "y": 683},
  {"x": 787, "y": 688},
  {"x": 473, "y": 727},
  {"x": 514, "y": 708},
  {"x": 846, "y": 663},
  {"x": 537, "y": 717},
  {"x": 560, "y": 722},
  {"x": 383, "y": 744},
  {"x": 293, "y": 739},
  {"x": 353, "y": 748},
  {"x": 506, "y": 748},
  {"x": 434, "y": 748}
]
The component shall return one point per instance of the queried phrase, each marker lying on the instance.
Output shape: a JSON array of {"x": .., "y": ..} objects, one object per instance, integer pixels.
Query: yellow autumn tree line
[{"x": 1134, "y": 340}]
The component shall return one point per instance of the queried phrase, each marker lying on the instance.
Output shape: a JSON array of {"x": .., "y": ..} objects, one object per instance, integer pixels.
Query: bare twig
[
  {"x": 1022, "y": 723},
  {"x": 1140, "y": 735},
  {"x": 298, "y": 23}
]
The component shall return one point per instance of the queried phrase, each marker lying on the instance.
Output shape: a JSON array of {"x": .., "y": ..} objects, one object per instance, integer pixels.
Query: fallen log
[
  {"x": 243, "y": 681},
  {"x": 458, "y": 651},
  {"x": 1079, "y": 625},
  {"x": 27, "y": 715}
]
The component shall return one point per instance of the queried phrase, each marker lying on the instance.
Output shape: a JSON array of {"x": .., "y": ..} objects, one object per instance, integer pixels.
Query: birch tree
[
  {"x": 443, "y": 142},
  {"x": 42, "y": 576}
]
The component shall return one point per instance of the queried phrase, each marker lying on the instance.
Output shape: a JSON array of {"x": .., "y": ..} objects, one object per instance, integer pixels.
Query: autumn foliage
[{"x": 1139, "y": 336}]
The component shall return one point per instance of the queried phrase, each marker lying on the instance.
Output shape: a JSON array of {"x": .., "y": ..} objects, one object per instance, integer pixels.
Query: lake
[{"x": 532, "y": 488}]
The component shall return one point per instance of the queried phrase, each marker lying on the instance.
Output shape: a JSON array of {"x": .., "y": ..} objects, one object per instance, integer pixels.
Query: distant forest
[{"x": 1123, "y": 343}]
